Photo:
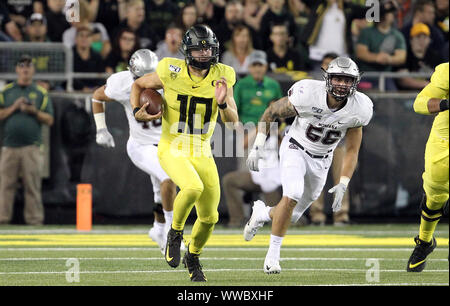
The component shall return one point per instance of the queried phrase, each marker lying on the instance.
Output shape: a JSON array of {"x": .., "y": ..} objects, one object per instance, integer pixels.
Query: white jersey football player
[
  {"x": 325, "y": 111},
  {"x": 143, "y": 140}
]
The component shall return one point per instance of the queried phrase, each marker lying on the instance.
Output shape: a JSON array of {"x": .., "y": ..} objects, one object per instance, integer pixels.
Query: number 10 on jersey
[{"x": 188, "y": 115}]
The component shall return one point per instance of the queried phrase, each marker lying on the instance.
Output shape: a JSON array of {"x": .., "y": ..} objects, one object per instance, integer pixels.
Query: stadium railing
[{"x": 54, "y": 62}]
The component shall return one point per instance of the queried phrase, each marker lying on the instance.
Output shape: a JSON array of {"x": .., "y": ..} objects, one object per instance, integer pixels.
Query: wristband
[
  {"x": 100, "y": 121},
  {"x": 443, "y": 105},
  {"x": 135, "y": 110},
  {"x": 223, "y": 106},
  {"x": 344, "y": 180},
  {"x": 260, "y": 140}
]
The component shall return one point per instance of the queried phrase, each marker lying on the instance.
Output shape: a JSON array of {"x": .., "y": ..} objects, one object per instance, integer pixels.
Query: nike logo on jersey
[{"x": 194, "y": 87}]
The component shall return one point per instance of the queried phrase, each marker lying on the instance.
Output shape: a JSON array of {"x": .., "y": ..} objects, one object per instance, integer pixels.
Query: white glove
[
  {"x": 105, "y": 139},
  {"x": 339, "y": 191},
  {"x": 256, "y": 153},
  {"x": 254, "y": 157}
]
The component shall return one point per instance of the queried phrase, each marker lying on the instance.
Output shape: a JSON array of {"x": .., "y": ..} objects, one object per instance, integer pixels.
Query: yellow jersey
[
  {"x": 190, "y": 107},
  {"x": 437, "y": 88}
]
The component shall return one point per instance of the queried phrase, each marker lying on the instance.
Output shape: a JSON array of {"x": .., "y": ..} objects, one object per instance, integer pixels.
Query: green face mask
[{"x": 97, "y": 46}]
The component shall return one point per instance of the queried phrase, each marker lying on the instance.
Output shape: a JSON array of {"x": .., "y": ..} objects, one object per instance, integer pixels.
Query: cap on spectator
[
  {"x": 37, "y": 17},
  {"x": 25, "y": 58},
  {"x": 257, "y": 57},
  {"x": 419, "y": 28}
]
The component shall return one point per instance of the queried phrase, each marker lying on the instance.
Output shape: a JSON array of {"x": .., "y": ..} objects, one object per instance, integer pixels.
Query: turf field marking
[
  {"x": 216, "y": 270},
  {"x": 243, "y": 249},
  {"x": 331, "y": 230},
  {"x": 212, "y": 258}
]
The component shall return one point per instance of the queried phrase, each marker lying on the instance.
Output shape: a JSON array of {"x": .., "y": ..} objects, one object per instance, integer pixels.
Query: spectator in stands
[
  {"x": 56, "y": 20},
  {"x": 100, "y": 40},
  {"x": 108, "y": 12},
  {"x": 381, "y": 47},
  {"x": 20, "y": 11},
  {"x": 170, "y": 46},
  {"x": 234, "y": 16},
  {"x": 421, "y": 58},
  {"x": 210, "y": 12},
  {"x": 425, "y": 12},
  {"x": 442, "y": 17},
  {"x": 330, "y": 20},
  {"x": 24, "y": 108},
  {"x": 8, "y": 28},
  {"x": 85, "y": 59},
  {"x": 254, "y": 11},
  {"x": 159, "y": 14},
  {"x": 442, "y": 22},
  {"x": 125, "y": 44},
  {"x": 135, "y": 20},
  {"x": 36, "y": 29},
  {"x": 404, "y": 12},
  {"x": 253, "y": 94},
  {"x": 187, "y": 17},
  {"x": 239, "y": 49},
  {"x": 281, "y": 57},
  {"x": 316, "y": 212},
  {"x": 277, "y": 14}
]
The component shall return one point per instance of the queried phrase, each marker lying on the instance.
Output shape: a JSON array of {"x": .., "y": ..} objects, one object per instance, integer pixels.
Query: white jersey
[
  {"x": 317, "y": 128},
  {"x": 118, "y": 88}
]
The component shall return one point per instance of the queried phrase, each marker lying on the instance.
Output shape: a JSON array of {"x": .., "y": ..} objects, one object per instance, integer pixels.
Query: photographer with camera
[{"x": 24, "y": 107}]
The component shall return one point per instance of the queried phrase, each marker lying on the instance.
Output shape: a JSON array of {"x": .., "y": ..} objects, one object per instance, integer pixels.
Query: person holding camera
[{"x": 24, "y": 108}]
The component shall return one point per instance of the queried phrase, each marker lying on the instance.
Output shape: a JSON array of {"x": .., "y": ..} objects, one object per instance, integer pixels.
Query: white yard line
[
  {"x": 257, "y": 249},
  {"x": 330, "y": 231},
  {"x": 213, "y": 258},
  {"x": 214, "y": 270}
]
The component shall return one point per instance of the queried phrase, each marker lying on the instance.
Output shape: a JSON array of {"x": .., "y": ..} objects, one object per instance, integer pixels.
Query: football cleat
[
  {"x": 254, "y": 223},
  {"x": 192, "y": 263},
  {"x": 158, "y": 237},
  {"x": 272, "y": 266},
  {"x": 417, "y": 260},
  {"x": 172, "y": 254}
]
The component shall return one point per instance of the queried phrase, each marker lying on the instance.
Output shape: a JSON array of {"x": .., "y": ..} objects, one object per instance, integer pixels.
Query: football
[{"x": 154, "y": 98}]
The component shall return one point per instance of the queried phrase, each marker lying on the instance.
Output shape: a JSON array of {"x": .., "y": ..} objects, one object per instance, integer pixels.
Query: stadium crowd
[{"x": 410, "y": 35}]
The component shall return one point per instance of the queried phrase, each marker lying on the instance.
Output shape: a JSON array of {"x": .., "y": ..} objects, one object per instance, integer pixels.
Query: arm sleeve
[{"x": 437, "y": 88}]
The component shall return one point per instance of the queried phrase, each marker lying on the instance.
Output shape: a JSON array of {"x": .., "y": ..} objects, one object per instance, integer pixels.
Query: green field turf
[{"x": 124, "y": 255}]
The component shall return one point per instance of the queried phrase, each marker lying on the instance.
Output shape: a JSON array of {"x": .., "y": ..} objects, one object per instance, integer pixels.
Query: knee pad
[
  {"x": 192, "y": 193},
  {"x": 211, "y": 219},
  {"x": 429, "y": 214}
]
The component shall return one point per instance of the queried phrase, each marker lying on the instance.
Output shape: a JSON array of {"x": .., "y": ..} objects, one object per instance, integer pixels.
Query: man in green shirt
[
  {"x": 253, "y": 94},
  {"x": 24, "y": 107},
  {"x": 381, "y": 46}
]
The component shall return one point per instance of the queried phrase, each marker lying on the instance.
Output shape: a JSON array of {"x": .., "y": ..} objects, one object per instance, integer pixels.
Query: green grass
[{"x": 124, "y": 255}]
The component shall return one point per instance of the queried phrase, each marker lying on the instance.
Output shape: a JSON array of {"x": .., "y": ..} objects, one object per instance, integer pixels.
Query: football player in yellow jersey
[
  {"x": 196, "y": 90},
  {"x": 433, "y": 99}
]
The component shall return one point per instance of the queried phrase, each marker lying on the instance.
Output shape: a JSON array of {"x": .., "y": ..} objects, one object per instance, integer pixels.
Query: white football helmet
[
  {"x": 142, "y": 61},
  {"x": 342, "y": 66}
]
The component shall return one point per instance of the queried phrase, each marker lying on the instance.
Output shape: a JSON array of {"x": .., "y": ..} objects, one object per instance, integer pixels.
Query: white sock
[
  {"x": 265, "y": 216},
  {"x": 168, "y": 215},
  {"x": 275, "y": 247},
  {"x": 158, "y": 226}
]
